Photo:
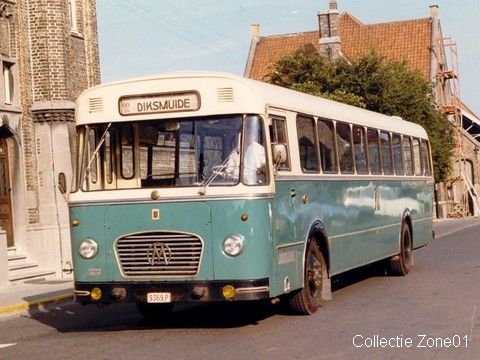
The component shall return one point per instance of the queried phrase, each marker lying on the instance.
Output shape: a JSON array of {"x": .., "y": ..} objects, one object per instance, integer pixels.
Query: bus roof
[{"x": 222, "y": 93}]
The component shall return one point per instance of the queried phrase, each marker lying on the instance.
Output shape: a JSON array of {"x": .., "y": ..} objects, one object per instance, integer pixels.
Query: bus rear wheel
[
  {"x": 308, "y": 299},
  {"x": 402, "y": 263}
]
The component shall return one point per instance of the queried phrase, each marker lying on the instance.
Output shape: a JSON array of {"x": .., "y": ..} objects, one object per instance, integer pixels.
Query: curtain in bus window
[
  {"x": 326, "y": 142},
  {"x": 359, "y": 149},
  {"x": 212, "y": 154},
  {"x": 92, "y": 169},
  {"x": 397, "y": 154},
  {"x": 386, "y": 151},
  {"x": 306, "y": 144},
  {"x": 108, "y": 157},
  {"x": 416, "y": 157},
  {"x": 344, "y": 146},
  {"x": 126, "y": 144},
  {"x": 374, "y": 151},
  {"x": 279, "y": 136},
  {"x": 407, "y": 155},
  {"x": 425, "y": 156}
]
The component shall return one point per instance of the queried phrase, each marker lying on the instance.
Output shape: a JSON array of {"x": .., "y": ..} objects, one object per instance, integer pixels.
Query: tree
[{"x": 374, "y": 83}]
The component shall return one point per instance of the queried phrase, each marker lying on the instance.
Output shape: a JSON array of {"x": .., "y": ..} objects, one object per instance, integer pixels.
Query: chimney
[
  {"x": 255, "y": 30},
  {"x": 330, "y": 44},
  {"x": 434, "y": 11}
]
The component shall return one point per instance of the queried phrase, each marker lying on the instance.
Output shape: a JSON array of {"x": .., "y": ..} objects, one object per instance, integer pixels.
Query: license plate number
[{"x": 159, "y": 297}]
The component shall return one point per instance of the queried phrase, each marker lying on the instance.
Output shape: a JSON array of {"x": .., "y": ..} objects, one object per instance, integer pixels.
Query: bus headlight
[
  {"x": 233, "y": 245},
  {"x": 88, "y": 248}
]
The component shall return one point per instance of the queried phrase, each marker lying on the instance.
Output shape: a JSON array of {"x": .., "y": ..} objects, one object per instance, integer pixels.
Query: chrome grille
[{"x": 159, "y": 254}]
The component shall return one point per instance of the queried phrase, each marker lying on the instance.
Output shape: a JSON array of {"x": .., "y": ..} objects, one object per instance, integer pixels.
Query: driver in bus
[{"x": 254, "y": 156}]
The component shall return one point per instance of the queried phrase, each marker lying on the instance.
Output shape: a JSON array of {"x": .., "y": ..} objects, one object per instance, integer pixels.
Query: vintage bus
[{"x": 203, "y": 187}]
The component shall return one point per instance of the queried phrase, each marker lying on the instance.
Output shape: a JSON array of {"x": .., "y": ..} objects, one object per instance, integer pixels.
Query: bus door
[{"x": 288, "y": 250}]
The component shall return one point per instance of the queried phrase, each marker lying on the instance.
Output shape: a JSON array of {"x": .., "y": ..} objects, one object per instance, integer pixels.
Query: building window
[
  {"x": 72, "y": 7},
  {"x": 8, "y": 82}
]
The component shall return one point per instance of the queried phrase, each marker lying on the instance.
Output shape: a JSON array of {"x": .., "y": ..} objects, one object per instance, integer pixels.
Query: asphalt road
[{"x": 433, "y": 313}]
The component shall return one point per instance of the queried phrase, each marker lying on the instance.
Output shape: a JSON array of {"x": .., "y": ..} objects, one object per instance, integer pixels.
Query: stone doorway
[{"x": 6, "y": 218}]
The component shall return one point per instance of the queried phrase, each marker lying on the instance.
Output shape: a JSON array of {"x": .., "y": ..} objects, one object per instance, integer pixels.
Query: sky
[{"x": 146, "y": 37}]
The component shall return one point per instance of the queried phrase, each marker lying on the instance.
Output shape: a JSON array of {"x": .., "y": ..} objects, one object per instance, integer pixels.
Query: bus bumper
[{"x": 192, "y": 291}]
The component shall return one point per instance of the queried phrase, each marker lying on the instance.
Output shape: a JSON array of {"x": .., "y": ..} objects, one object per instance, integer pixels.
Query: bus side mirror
[{"x": 279, "y": 152}]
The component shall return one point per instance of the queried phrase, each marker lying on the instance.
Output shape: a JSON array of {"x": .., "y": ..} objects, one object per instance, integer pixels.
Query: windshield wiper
[{"x": 217, "y": 170}]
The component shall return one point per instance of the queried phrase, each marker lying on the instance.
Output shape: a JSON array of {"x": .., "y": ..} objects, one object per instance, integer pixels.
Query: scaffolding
[{"x": 461, "y": 193}]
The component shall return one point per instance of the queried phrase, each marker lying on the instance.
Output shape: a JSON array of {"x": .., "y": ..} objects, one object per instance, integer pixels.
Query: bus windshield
[{"x": 207, "y": 151}]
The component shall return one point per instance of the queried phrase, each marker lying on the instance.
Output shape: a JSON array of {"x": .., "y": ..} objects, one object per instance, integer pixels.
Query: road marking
[
  {"x": 472, "y": 322},
  {"x": 6, "y": 345}
]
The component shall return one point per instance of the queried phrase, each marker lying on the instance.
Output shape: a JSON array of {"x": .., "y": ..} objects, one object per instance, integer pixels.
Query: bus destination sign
[{"x": 160, "y": 103}]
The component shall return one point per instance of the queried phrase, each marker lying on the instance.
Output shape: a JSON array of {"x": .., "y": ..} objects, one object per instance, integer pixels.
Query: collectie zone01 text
[{"x": 422, "y": 341}]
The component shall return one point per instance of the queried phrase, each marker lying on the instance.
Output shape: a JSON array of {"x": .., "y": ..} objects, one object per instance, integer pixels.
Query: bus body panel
[
  {"x": 255, "y": 261},
  {"x": 119, "y": 220},
  {"x": 108, "y": 223},
  {"x": 358, "y": 232}
]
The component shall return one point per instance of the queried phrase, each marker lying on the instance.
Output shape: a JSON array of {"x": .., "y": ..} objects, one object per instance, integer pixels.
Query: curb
[{"x": 26, "y": 305}]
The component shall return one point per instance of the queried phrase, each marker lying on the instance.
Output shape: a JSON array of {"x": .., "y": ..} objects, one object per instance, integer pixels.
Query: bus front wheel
[
  {"x": 308, "y": 299},
  {"x": 402, "y": 263}
]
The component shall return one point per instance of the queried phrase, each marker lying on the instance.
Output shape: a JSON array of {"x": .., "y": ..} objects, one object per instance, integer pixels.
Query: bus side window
[
  {"x": 407, "y": 155},
  {"x": 397, "y": 154},
  {"x": 374, "y": 151},
  {"x": 326, "y": 142},
  {"x": 416, "y": 157},
  {"x": 344, "y": 147},
  {"x": 386, "y": 150},
  {"x": 279, "y": 136},
  {"x": 306, "y": 144},
  {"x": 427, "y": 168},
  {"x": 359, "y": 148}
]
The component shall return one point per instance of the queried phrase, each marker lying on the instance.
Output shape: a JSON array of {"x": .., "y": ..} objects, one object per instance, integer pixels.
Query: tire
[
  {"x": 401, "y": 264},
  {"x": 155, "y": 312},
  {"x": 308, "y": 299}
]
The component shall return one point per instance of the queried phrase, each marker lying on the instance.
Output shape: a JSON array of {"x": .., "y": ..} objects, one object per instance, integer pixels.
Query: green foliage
[{"x": 374, "y": 83}]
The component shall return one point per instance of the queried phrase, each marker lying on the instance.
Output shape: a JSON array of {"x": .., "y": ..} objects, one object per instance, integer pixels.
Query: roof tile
[{"x": 407, "y": 41}]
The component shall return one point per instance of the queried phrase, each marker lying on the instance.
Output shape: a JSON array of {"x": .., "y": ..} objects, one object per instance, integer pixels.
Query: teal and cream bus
[{"x": 206, "y": 187}]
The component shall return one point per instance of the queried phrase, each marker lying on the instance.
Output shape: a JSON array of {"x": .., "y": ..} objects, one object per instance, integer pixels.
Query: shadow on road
[
  {"x": 72, "y": 317},
  {"x": 354, "y": 276}
]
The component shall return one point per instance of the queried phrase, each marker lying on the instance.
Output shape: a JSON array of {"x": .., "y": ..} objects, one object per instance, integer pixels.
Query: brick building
[
  {"x": 48, "y": 54},
  {"x": 418, "y": 42}
]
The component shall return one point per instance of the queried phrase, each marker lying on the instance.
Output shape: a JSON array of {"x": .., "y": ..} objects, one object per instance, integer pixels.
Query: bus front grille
[{"x": 161, "y": 254}]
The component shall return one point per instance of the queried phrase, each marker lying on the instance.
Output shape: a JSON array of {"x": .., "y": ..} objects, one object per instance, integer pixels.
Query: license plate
[{"x": 159, "y": 297}]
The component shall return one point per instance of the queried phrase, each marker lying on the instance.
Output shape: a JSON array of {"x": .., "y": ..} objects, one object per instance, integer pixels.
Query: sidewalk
[
  {"x": 444, "y": 227},
  {"x": 23, "y": 298}
]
